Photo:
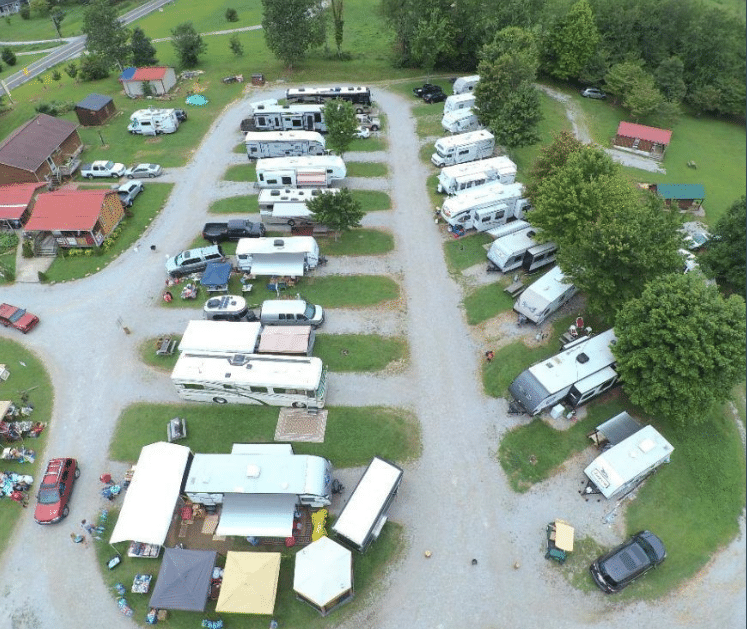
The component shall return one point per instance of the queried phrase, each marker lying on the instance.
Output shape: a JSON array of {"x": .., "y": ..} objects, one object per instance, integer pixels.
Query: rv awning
[
  {"x": 258, "y": 515},
  {"x": 291, "y": 264},
  {"x": 292, "y": 339},
  {"x": 151, "y": 497},
  {"x": 618, "y": 428}
]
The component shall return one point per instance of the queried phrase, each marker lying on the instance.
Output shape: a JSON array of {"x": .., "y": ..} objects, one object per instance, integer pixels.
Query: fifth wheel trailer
[
  {"x": 283, "y": 143},
  {"x": 285, "y": 118},
  {"x": 460, "y": 121},
  {"x": 485, "y": 207},
  {"x": 545, "y": 296},
  {"x": 460, "y": 177},
  {"x": 307, "y": 171}
]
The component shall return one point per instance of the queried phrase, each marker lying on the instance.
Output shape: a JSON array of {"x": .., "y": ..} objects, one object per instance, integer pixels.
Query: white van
[
  {"x": 459, "y": 101},
  {"x": 290, "y": 312},
  {"x": 465, "y": 147},
  {"x": 466, "y": 84}
]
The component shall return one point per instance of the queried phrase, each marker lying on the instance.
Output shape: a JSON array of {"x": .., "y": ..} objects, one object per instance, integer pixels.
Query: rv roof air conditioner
[
  {"x": 278, "y": 242},
  {"x": 253, "y": 470},
  {"x": 582, "y": 358}
]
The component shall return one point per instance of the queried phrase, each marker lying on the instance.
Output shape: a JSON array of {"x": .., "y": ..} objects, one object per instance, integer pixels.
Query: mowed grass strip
[
  {"x": 462, "y": 253},
  {"x": 367, "y": 145},
  {"x": 357, "y": 242},
  {"x": 244, "y": 204},
  {"x": 366, "y": 169},
  {"x": 486, "y": 302},
  {"x": 359, "y": 352},
  {"x": 372, "y": 200},
  {"x": 241, "y": 172},
  {"x": 349, "y": 291}
]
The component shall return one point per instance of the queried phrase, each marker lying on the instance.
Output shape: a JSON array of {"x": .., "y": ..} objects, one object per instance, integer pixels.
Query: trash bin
[{"x": 258, "y": 79}]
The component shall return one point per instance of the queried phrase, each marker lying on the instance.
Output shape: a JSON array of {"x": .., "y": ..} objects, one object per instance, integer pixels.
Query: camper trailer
[
  {"x": 460, "y": 177},
  {"x": 456, "y": 102},
  {"x": 623, "y": 467},
  {"x": 538, "y": 256},
  {"x": 465, "y": 147},
  {"x": 285, "y": 118},
  {"x": 485, "y": 207},
  {"x": 308, "y": 171},
  {"x": 584, "y": 369},
  {"x": 153, "y": 122},
  {"x": 509, "y": 228},
  {"x": 359, "y": 95},
  {"x": 466, "y": 84},
  {"x": 243, "y": 337},
  {"x": 519, "y": 249},
  {"x": 365, "y": 513},
  {"x": 283, "y": 143},
  {"x": 545, "y": 296},
  {"x": 291, "y": 256},
  {"x": 288, "y": 206},
  {"x": 460, "y": 121}
]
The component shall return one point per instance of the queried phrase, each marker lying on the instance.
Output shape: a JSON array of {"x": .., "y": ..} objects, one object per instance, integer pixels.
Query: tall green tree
[
  {"x": 669, "y": 79},
  {"x": 292, "y": 27},
  {"x": 433, "y": 39},
  {"x": 143, "y": 51},
  {"x": 57, "y": 15},
  {"x": 726, "y": 255},
  {"x": 339, "y": 116},
  {"x": 621, "y": 78},
  {"x": 188, "y": 44},
  {"x": 340, "y": 212},
  {"x": 571, "y": 42},
  {"x": 551, "y": 158},
  {"x": 680, "y": 347},
  {"x": 106, "y": 37}
]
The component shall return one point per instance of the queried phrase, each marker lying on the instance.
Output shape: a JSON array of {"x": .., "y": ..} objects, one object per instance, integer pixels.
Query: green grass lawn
[
  {"x": 245, "y": 204},
  {"x": 462, "y": 253},
  {"x": 366, "y": 169},
  {"x": 359, "y": 352},
  {"x": 240, "y": 149},
  {"x": 241, "y": 172},
  {"x": 372, "y": 200},
  {"x": 349, "y": 291},
  {"x": 487, "y": 301},
  {"x": 144, "y": 210},
  {"x": 367, "y": 145},
  {"x": 357, "y": 242}
]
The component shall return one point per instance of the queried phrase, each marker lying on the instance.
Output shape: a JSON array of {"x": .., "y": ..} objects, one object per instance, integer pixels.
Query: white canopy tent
[
  {"x": 151, "y": 497},
  {"x": 323, "y": 577},
  {"x": 258, "y": 515}
]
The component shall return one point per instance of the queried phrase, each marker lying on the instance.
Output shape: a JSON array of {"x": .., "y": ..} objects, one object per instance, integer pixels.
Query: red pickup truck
[{"x": 18, "y": 318}]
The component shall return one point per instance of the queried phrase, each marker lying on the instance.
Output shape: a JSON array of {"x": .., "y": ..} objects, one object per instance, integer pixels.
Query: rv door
[{"x": 308, "y": 122}]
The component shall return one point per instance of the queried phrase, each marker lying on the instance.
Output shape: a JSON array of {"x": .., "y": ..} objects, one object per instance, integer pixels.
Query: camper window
[
  {"x": 188, "y": 385},
  {"x": 279, "y": 390},
  {"x": 261, "y": 120},
  {"x": 258, "y": 389},
  {"x": 287, "y": 181}
]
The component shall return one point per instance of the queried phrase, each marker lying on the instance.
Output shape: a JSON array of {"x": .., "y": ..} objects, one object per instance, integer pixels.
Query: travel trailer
[
  {"x": 465, "y": 84},
  {"x": 284, "y": 143},
  {"x": 291, "y": 256},
  {"x": 460, "y": 177},
  {"x": 285, "y": 118},
  {"x": 465, "y": 147},
  {"x": 308, "y": 171},
  {"x": 519, "y": 249},
  {"x": 545, "y": 296},
  {"x": 360, "y": 96},
  {"x": 288, "y": 206},
  {"x": 459, "y": 101},
  {"x": 485, "y": 207},
  {"x": 509, "y": 228},
  {"x": 460, "y": 121},
  {"x": 153, "y": 122},
  {"x": 584, "y": 369}
]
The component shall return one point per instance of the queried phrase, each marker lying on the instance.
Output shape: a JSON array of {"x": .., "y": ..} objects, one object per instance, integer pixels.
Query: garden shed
[
  {"x": 161, "y": 79},
  {"x": 95, "y": 109},
  {"x": 16, "y": 201},
  {"x": 638, "y": 137},
  {"x": 685, "y": 196}
]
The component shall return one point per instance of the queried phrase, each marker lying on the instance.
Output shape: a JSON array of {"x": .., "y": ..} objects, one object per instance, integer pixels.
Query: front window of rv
[{"x": 309, "y": 312}]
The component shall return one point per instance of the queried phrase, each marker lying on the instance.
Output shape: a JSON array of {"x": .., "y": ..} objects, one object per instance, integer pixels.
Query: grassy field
[
  {"x": 241, "y": 172},
  {"x": 372, "y": 200},
  {"x": 487, "y": 301},
  {"x": 366, "y": 169},
  {"x": 359, "y": 352},
  {"x": 357, "y": 242},
  {"x": 462, "y": 253},
  {"x": 247, "y": 204}
]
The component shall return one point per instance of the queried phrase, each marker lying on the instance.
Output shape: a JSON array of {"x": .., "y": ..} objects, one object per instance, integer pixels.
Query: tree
[
  {"x": 94, "y": 67},
  {"x": 107, "y": 38},
  {"x": 336, "y": 7},
  {"x": 551, "y": 158},
  {"x": 622, "y": 78},
  {"x": 680, "y": 347},
  {"x": 432, "y": 39},
  {"x": 232, "y": 15},
  {"x": 25, "y": 12},
  {"x": 339, "y": 116},
  {"x": 340, "y": 212},
  {"x": 57, "y": 15},
  {"x": 71, "y": 70},
  {"x": 571, "y": 42},
  {"x": 237, "y": 48},
  {"x": 39, "y": 8},
  {"x": 669, "y": 79},
  {"x": 725, "y": 256},
  {"x": 291, "y": 27},
  {"x": 188, "y": 44},
  {"x": 9, "y": 56},
  {"x": 516, "y": 125},
  {"x": 143, "y": 51}
]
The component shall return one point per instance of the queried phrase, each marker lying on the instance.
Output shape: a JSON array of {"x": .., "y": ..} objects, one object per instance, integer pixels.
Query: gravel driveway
[{"x": 454, "y": 501}]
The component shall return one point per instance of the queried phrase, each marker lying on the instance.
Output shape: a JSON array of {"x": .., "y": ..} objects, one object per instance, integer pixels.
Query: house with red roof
[
  {"x": 16, "y": 201},
  {"x": 638, "y": 137},
  {"x": 161, "y": 79},
  {"x": 76, "y": 218}
]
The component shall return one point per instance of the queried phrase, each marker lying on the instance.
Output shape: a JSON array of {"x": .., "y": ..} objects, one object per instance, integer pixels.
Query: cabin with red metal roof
[
  {"x": 638, "y": 137},
  {"x": 161, "y": 79},
  {"x": 16, "y": 201}
]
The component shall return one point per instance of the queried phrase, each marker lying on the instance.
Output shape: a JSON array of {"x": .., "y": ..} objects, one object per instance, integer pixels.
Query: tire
[
  {"x": 291, "y": 223},
  {"x": 359, "y": 110},
  {"x": 130, "y": 176},
  {"x": 220, "y": 400},
  {"x": 299, "y": 405},
  {"x": 65, "y": 511},
  {"x": 89, "y": 176},
  {"x": 374, "y": 127},
  {"x": 77, "y": 472},
  {"x": 150, "y": 176}
]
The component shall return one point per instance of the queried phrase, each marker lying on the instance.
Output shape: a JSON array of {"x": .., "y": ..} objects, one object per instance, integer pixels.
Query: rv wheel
[
  {"x": 291, "y": 223},
  {"x": 359, "y": 110},
  {"x": 299, "y": 405},
  {"x": 220, "y": 400},
  {"x": 374, "y": 127}
]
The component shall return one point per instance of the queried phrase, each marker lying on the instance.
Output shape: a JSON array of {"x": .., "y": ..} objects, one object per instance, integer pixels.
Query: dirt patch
[{"x": 504, "y": 330}]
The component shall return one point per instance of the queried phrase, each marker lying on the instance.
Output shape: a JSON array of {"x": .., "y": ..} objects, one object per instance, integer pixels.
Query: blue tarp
[
  {"x": 216, "y": 274},
  {"x": 127, "y": 74}
]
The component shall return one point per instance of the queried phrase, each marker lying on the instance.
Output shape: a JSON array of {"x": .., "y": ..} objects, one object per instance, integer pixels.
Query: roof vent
[
  {"x": 238, "y": 359},
  {"x": 253, "y": 470},
  {"x": 278, "y": 242},
  {"x": 582, "y": 358}
]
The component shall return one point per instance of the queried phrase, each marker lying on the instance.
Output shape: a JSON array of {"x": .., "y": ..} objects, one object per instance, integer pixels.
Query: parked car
[
  {"x": 362, "y": 132},
  {"x": 426, "y": 88},
  {"x": 144, "y": 170},
  {"x": 594, "y": 92},
  {"x": 193, "y": 260},
  {"x": 621, "y": 566},
  {"x": 234, "y": 229},
  {"x": 128, "y": 191},
  {"x": 55, "y": 490},
  {"x": 436, "y": 96},
  {"x": 17, "y": 318}
]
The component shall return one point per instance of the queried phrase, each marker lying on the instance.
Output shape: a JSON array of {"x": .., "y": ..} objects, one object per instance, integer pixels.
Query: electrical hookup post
[{"x": 121, "y": 324}]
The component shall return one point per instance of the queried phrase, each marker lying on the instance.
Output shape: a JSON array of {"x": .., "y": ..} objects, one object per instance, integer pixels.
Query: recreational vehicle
[
  {"x": 459, "y": 101},
  {"x": 624, "y": 466},
  {"x": 288, "y": 206},
  {"x": 153, "y": 122},
  {"x": 465, "y": 147},
  {"x": 509, "y": 228},
  {"x": 225, "y": 337},
  {"x": 461, "y": 177},
  {"x": 465, "y": 84},
  {"x": 365, "y": 513},
  {"x": 308, "y": 171},
  {"x": 545, "y": 296},
  {"x": 291, "y": 256},
  {"x": 584, "y": 369},
  {"x": 298, "y": 381},
  {"x": 460, "y": 121},
  {"x": 538, "y": 256},
  {"x": 360, "y": 96},
  {"x": 259, "y": 487},
  {"x": 513, "y": 251},
  {"x": 283, "y": 143},
  {"x": 485, "y": 207},
  {"x": 285, "y": 118}
]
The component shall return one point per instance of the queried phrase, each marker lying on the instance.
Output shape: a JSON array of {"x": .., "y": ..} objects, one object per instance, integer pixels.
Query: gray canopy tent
[{"x": 184, "y": 579}]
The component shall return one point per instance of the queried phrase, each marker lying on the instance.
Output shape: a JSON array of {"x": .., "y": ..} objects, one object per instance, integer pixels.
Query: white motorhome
[
  {"x": 288, "y": 206},
  {"x": 584, "y": 369},
  {"x": 153, "y": 122},
  {"x": 460, "y": 177},
  {"x": 307, "y": 171},
  {"x": 298, "y": 381},
  {"x": 291, "y": 256},
  {"x": 459, "y": 101},
  {"x": 623, "y": 467},
  {"x": 359, "y": 95},
  {"x": 243, "y": 337},
  {"x": 465, "y": 84},
  {"x": 545, "y": 296},
  {"x": 460, "y": 121},
  {"x": 465, "y": 147},
  {"x": 285, "y": 118},
  {"x": 365, "y": 513},
  {"x": 258, "y": 487},
  {"x": 284, "y": 143},
  {"x": 519, "y": 249},
  {"x": 485, "y": 207}
]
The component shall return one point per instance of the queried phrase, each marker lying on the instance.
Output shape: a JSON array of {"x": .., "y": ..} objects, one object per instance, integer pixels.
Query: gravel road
[{"x": 454, "y": 500}]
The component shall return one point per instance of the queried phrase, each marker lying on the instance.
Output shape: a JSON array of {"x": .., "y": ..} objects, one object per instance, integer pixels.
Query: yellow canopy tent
[{"x": 250, "y": 582}]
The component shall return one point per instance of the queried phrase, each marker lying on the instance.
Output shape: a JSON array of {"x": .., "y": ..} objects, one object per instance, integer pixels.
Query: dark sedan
[{"x": 621, "y": 566}]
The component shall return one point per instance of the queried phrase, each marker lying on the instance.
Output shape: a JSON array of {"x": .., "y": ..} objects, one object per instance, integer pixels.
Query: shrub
[
  {"x": 71, "y": 70},
  {"x": 9, "y": 275},
  {"x": 54, "y": 108},
  {"x": 93, "y": 68},
  {"x": 56, "y": 76},
  {"x": 27, "y": 249},
  {"x": 8, "y": 240},
  {"x": 25, "y": 12},
  {"x": 232, "y": 15},
  {"x": 236, "y": 46},
  {"x": 42, "y": 277},
  {"x": 9, "y": 56}
]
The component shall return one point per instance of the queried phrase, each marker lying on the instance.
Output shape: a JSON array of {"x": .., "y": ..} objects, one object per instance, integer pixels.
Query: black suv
[
  {"x": 436, "y": 96},
  {"x": 621, "y": 566},
  {"x": 426, "y": 88}
]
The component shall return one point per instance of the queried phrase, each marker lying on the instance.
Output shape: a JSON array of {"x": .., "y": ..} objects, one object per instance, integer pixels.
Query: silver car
[
  {"x": 144, "y": 170},
  {"x": 128, "y": 191}
]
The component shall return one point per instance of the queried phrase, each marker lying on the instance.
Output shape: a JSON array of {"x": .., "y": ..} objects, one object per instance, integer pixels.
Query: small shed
[
  {"x": 685, "y": 196},
  {"x": 638, "y": 137},
  {"x": 323, "y": 577},
  {"x": 94, "y": 110},
  {"x": 161, "y": 79}
]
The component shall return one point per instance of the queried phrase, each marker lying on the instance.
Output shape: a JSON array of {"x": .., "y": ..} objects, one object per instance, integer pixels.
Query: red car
[
  {"x": 55, "y": 490},
  {"x": 18, "y": 318}
]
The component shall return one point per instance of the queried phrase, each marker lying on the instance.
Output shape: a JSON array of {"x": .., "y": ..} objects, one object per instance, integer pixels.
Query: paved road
[{"x": 454, "y": 501}]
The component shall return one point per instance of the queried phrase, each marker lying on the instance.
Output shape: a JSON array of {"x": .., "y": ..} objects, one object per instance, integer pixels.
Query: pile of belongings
[
  {"x": 11, "y": 482},
  {"x": 21, "y": 455},
  {"x": 13, "y": 431}
]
